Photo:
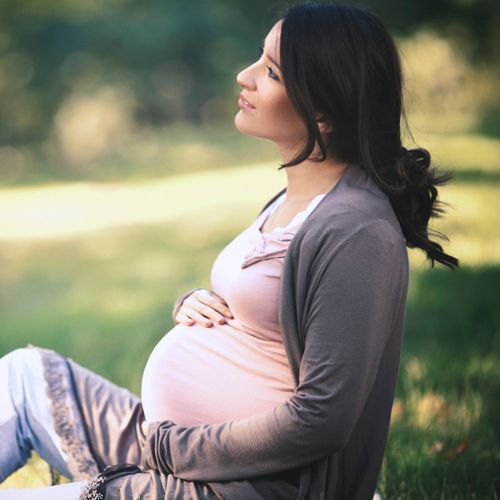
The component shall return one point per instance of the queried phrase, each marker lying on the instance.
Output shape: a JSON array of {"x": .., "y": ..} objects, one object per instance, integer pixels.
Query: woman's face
[{"x": 272, "y": 115}]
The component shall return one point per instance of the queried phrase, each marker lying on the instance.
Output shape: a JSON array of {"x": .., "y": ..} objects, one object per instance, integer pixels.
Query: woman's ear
[{"x": 324, "y": 125}]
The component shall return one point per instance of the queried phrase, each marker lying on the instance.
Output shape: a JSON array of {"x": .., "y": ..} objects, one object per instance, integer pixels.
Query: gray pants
[{"x": 79, "y": 423}]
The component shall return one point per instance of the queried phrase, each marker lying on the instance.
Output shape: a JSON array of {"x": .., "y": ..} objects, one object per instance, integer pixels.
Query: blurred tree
[{"x": 178, "y": 59}]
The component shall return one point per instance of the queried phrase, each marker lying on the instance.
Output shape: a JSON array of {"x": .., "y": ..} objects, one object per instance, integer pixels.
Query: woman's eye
[{"x": 270, "y": 73}]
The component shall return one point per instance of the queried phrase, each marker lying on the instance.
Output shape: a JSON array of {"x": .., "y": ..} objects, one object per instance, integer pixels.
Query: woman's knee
[
  {"x": 21, "y": 355},
  {"x": 21, "y": 363},
  {"x": 21, "y": 374}
]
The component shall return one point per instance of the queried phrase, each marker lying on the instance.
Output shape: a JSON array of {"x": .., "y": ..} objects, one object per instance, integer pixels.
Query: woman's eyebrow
[{"x": 270, "y": 58}]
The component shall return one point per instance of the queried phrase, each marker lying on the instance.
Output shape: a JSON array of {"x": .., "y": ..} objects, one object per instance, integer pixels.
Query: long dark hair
[{"x": 341, "y": 61}]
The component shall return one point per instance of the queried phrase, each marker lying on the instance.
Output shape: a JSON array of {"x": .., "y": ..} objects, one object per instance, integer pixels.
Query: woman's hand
[{"x": 203, "y": 307}]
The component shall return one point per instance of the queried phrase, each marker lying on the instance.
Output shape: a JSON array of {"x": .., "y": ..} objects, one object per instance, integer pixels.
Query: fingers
[
  {"x": 184, "y": 319},
  {"x": 203, "y": 314},
  {"x": 205, "y": 308},
  {"x": 190, "y": 317},
  {"x": 224, "y": 309},
  {"x": 214, "y": 301}
]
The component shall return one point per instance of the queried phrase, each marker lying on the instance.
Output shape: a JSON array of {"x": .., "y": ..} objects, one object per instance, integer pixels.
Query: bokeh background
[{"x": 122, "y": 177}]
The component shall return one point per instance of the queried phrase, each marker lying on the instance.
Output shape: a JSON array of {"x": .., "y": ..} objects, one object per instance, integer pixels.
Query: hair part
[{"x": 340, "y": 61}]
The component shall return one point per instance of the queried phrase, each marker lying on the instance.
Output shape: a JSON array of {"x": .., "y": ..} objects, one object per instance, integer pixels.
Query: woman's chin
[
  {"x": 237, "y": 123},
  {"x": 241, "y": 123},
  {"x": 245, "y": 129}
]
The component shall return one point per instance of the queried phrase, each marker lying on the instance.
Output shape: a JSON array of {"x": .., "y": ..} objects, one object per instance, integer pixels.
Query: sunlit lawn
[{"x": 88, "y": 269}]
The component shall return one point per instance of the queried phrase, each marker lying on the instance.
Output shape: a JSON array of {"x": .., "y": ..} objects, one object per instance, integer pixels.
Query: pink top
[{"x": 208, "y": 375}]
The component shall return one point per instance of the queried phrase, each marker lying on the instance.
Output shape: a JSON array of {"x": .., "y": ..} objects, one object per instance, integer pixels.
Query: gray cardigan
[{"x": 342, "y": 310}]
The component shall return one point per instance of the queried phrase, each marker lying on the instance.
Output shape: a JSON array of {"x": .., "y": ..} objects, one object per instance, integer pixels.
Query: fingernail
[{"x": 221, "y": 321}]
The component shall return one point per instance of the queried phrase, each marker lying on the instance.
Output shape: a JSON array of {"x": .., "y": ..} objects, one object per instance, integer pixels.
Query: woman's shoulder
[
  {"x": 348, "y": 249},
  {"x": 332, "y": 224}
]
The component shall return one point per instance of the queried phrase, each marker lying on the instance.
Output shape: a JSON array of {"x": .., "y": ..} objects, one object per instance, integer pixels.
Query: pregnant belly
[{"x": 208, "y": 375}]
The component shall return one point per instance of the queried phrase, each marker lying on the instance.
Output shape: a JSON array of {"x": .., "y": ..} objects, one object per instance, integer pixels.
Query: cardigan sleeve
[{"x": 352, "y": 314}]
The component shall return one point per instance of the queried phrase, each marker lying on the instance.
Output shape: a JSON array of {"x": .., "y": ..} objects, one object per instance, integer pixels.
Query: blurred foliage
[{"x": 171, "y": 59}]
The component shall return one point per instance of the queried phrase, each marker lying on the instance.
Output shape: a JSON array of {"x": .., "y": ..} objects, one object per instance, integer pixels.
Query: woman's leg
[
  {"x": 74, "y": 419},
  {"x": 112, "y": 416},
  {"x": 28, "y": 421}
]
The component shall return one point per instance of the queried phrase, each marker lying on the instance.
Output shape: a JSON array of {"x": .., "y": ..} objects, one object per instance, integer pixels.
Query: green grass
[
  {"x": 104, "y": 297},
  {"x": 444, "y": 434}
]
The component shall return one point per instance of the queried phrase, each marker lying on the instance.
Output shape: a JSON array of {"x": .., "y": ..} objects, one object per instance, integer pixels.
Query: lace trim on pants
[{"x": 67, "y": 419}]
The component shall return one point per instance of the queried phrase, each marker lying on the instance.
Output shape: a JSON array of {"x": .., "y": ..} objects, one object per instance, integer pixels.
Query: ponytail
[{"x": 411, "y": 184}]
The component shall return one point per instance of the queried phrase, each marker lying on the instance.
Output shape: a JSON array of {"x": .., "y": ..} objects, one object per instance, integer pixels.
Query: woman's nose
[{"x": 245, "y": 79}]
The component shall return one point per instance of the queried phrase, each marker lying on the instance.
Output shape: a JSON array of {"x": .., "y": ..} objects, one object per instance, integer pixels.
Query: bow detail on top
[{"x": 269, "y": 246}]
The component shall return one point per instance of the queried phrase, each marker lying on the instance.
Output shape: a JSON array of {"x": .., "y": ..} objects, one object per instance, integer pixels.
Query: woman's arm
[{"x": 352, "y": 315}]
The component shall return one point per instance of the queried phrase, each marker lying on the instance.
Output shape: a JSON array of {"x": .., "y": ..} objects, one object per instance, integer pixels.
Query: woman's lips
[{"x": 244, "y": 105}]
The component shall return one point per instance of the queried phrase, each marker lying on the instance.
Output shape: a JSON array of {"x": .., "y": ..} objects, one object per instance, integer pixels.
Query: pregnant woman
[{"x": 278, "y": 382}]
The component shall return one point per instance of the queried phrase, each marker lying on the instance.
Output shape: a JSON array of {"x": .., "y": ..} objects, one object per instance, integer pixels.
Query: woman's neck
[
  {"x": 308, "y": 179},
  {"x": 304, "y": 182}
]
